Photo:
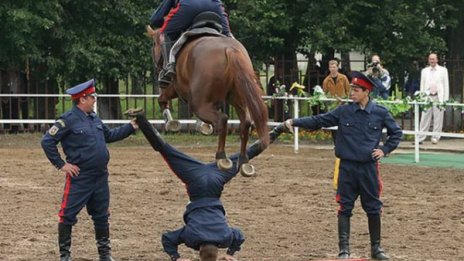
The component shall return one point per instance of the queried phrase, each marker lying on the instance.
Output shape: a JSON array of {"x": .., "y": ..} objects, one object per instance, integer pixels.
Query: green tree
[{"x": 105, "y": 40}]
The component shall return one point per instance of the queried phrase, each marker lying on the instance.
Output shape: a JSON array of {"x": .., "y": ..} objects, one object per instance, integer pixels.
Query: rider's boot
[{"x": 168, "y": 72}]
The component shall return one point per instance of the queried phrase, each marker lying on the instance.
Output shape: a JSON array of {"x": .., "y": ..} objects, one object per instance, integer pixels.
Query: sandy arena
[{"x": 287, "y": 212}]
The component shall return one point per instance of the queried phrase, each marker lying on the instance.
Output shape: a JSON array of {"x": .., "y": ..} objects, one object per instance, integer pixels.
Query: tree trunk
[
  {"x": 110, "y": 108},
  {"x": 455, "y": 66},
  {"x": 346, "y": 65},
  {"x": 137, "y": 83},
  {"x": 328, "y": 55}
]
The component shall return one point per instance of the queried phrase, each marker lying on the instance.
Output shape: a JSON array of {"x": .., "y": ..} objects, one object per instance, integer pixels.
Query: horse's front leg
[{"x": 166, "y": 95}]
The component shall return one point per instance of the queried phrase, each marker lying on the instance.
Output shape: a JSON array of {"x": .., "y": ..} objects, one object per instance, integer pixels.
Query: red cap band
[
  {"x": 361, "y": 83},
  {"x": 83, "y": 93}
]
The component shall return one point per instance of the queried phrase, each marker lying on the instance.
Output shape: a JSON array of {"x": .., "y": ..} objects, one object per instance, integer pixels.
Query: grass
[{"x": 439, "y": 160}]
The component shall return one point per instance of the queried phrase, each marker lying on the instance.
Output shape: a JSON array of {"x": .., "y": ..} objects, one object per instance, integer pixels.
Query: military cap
[
  {"x": 81, "y": 90},
  {"x": 359, "y": 79}
]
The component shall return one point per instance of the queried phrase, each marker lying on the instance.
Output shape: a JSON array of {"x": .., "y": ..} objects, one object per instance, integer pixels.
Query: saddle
[
  {"x": 205, "y": 23},
  {"x": 207, "y": 20}
]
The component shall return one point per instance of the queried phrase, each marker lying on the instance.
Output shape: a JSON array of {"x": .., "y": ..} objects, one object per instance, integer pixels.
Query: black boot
[
  {"x": 377, "y": 252},
  {"x": 103, "y": 244},
  {"x": 344, "y": 237},
  {"x": 168, "y": 72},
  {"x": 64, "y": 241}
]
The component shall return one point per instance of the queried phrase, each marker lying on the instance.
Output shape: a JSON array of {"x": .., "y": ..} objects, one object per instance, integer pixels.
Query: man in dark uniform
[
  {"x": 83, "y": 137},
  {"x": 360, "y": 127},
  {"x": 206, "y": 227},
  {"x": 180, "y": 15}
]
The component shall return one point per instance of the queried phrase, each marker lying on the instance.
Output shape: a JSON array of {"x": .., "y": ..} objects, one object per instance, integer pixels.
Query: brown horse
[{"x": 210, "y": 72}]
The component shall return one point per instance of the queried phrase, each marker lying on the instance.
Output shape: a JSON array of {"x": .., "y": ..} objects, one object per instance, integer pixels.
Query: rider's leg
[{"x": 168, "y": 71}]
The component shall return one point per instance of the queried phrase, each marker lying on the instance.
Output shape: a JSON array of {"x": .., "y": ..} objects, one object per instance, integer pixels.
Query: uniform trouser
[
  {"x": 359, "y": 179},
  {"x": 181, "y": 17},
  {"x": 87, "y": 189},
  {"x": 427, "y": 119}
]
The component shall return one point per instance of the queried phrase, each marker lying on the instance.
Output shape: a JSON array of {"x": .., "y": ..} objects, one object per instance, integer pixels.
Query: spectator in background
[
  {"x": 380, "y": 76},
  {"x": 434, "y": 82},
  {"x": 274, "y": 82},
  {"x": 413, "y": 82},
  {"x": 336, "y": 84},
  {"x": 276, "y": 110}
]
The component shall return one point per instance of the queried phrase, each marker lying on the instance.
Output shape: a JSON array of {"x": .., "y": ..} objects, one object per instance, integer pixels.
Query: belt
[{"x": 433, "y": 94}]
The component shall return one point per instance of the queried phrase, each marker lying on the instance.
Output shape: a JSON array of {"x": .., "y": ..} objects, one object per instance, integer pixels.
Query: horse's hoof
[
  {"x": 173, "y": 126},
  {"x": 205, "y": 129},
  {"x": 247, "y": 170},
  {"x": 224, "y": 164}
]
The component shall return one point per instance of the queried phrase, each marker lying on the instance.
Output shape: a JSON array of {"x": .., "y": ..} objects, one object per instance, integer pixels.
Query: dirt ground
[{"x": 287, "y": 212}]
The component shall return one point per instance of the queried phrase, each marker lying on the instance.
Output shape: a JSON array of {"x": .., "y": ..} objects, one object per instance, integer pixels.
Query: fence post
[
  {"x": 95, "y": 108},
  {"x": 295, "y": 116},
  {"x": 416, "y": 132}
]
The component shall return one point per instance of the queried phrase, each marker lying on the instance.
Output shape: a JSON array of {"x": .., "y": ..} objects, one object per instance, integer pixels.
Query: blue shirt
[
  {"x": 83, "y": 138},
  {"x": 193, "y": 7},
  {"x": 359, "y": 131}
]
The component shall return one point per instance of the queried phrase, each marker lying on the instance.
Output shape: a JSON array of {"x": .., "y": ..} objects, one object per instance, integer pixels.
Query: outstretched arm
[
  {"x": 237, "y": 241},
  {"x": 171, "y": 240}
]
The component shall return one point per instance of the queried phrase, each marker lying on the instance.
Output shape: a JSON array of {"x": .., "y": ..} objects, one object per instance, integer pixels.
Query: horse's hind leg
[
  {"x": 246, "y": 169},
  {"x": 209, "y": 114},
  {"x": 166, "y": 95}
]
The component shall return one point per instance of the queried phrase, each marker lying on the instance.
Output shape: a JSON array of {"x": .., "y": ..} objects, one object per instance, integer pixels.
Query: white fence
[{"x": 416, "y": 132}]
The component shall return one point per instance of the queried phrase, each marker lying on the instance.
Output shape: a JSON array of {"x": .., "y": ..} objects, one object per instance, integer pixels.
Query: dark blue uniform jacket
[
  {"x": 83, "y": 138},
  {"x": 359, "y": 131},
  {"x": 188, "y": 10}
]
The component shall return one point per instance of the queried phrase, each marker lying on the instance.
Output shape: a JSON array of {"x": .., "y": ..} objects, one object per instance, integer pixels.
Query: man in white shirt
[{"x": 434, "y": 82}]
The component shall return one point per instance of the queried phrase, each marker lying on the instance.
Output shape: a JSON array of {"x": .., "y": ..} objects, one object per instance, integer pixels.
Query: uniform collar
[
  {"x": 369, "y": 107},
  {"x": 82, "y": 114}
]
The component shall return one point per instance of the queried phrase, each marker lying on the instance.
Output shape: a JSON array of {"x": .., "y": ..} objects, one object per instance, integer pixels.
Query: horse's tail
[{"x": 248, "y": 90}]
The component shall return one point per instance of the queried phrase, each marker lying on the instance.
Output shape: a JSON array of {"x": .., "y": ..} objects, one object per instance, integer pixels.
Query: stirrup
[
  {"x": 170, "y": 70},
  {"x": 164, "y": 78}
]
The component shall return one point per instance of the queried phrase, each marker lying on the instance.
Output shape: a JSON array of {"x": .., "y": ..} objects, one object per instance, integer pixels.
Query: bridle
[{"x": 156, "y": 62}]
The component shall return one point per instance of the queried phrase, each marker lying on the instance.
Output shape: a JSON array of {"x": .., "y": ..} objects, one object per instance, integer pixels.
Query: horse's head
[{"x": 156, "y": 48}]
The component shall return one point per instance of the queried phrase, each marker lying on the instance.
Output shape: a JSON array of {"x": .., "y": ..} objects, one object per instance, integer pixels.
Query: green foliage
[
  {"x": 396, "y": 108},
  {"x": 267, "y": 28},
  {"x": 76, "y": 40},
  {"x": 306, "y": 136},
  {"x": 24, "y": 27},
  {"x": 108, "y": 43},
  {"x": 401, "y": 31}
]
